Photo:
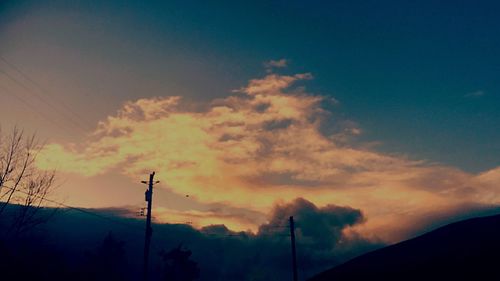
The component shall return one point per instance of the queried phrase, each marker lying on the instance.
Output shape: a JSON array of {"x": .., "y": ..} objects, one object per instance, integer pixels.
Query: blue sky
[
  {"x": 405, "y": 71},
  {"x": 406, "y": 92}
]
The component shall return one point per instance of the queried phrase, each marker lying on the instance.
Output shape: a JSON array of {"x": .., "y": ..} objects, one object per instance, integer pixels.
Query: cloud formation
[
  {"x": 320, "y": 230},
  {"x": 221, "y": 253},
  {"x": 263, "y": 145},
  {"x": 269, "y": 65},
  {"x": 322, "y": 240},
  {"x": 475, "y": 94}
]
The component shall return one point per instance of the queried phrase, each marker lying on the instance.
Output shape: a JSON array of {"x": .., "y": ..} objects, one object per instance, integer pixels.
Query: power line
[
  {"x": 42, "y": 89},
  {"x": 72, "y": 208},
  {"x": 39, "y": 112},
  {"x": 43, "y": 100},
  {"x": 276, "y": 226},
  {"x": 86, "y": 211}
]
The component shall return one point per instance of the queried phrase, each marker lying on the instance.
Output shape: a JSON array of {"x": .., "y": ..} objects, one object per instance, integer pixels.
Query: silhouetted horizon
[{"x": 241, "y": 140}]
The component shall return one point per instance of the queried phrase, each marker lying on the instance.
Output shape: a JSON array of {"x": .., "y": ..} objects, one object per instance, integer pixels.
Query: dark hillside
[{"x": 466, "y": 250}]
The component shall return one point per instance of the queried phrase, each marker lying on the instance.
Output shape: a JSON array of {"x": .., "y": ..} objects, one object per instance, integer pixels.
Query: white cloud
[
  {"x": 262, "y": 146},
  {"x": 269, "y": 65}
]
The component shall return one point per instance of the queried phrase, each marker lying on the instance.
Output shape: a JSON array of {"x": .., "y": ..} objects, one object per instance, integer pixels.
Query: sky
[{"x": 387, "y": 107}]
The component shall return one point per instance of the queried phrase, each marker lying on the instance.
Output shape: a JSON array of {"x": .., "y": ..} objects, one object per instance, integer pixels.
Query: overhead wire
[
  {"x": 86, "y": 211},
  {"x": 43, "y": 99},
  {"x": 38, "y": 111},
  {"x": 40, "y": 87},
  {"x": 77, "y": 124},
  {"x": 82, "y": 210}
]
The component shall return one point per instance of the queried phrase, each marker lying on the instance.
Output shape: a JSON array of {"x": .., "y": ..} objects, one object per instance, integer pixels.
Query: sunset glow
[
  {"x": 246, "y": 132},
  {"x": 262, "y": 145}
]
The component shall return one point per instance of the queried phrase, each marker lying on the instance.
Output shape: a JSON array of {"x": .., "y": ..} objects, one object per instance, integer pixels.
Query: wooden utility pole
[
  {"x": 149, "y": 229},
  {"x": 294, "y": 254}
]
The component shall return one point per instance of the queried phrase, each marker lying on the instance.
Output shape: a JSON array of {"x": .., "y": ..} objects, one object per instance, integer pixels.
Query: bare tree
[{"x": 21, "y": 183}]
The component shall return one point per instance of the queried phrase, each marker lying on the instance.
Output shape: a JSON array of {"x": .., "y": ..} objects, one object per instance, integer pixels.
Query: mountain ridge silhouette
[{"x": 464, "y": 250}]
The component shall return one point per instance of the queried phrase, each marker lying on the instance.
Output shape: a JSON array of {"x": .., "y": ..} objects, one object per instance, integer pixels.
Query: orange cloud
[{"x": 262, "y": 146}]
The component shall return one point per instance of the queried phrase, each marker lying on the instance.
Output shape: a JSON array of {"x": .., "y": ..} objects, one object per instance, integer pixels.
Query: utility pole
[
  {"x": 149, "y": 230},
  {"x": 294, "y": 254}
]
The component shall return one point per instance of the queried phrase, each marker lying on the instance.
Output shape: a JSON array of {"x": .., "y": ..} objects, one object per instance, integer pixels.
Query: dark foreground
[{"x": 466, "y": 250}]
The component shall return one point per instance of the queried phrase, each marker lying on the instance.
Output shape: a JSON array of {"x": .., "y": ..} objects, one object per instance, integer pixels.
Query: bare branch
[{"x": 21, "y": 182}]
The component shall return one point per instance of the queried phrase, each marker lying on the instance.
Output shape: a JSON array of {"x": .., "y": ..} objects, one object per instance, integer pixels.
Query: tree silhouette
[
  {"x": 21, "y": 182},
  {"x": 108, "y": 262},
  {"x": 178, "y": 266}
]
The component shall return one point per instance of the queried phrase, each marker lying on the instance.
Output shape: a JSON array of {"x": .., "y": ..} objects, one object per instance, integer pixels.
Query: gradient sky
[{"x": 407, "y": 93}]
